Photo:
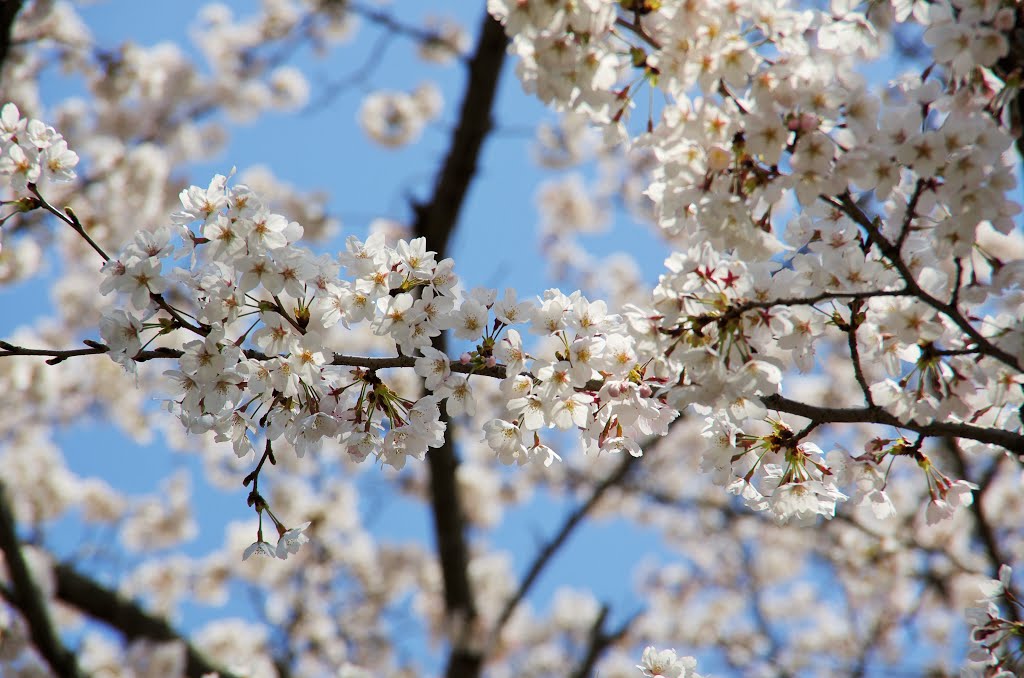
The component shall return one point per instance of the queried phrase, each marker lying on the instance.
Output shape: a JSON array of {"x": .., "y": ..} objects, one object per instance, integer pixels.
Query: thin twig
[
  {"x": 599, "y": 641},
  {"x": 851, "y": 336},
  {"x": 569, "y": 525},
  {"x": 69, "y": 218},
  {"x": 638, "y": 30}
]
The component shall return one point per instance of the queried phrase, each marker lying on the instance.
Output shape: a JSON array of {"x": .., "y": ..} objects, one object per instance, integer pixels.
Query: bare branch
[
  {"x": 129, "y": 619},
  {"x": 569, "y": 525},
  {"x": 600, "y": 641},
  {"x": 8, "y": 11},
  {"x": 982, "y": 525},
  {"x": 29, "y": 598},
  {"x": 396, "y": 27},
  {"x": 851, "y": 336}
]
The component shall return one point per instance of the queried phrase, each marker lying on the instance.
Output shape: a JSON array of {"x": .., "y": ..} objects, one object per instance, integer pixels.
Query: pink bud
[
  {"x": 645, "y": 391},
  {"x": 491, "y": 361},
  {"x": 808, "y": 122},
  {"x": 614, "y": 390},
  {"x": 465, "y": 358}
]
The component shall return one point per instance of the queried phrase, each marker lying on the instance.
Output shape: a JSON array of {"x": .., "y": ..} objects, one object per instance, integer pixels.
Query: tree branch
[
  {"x": 436, "y": 221},
  {"x": 128, "y": 618},
  {"x": 876, "y": 415},
  {"x": 891, "y": 252},
  {"x": 1012, "y": 65},
  {"x": 544, "y": 555},
  {"x": 8, "y": 11},
  {"x": 600, "y": 641},
  {"x": 851, "y": 340},
  {"x": 29, "y": 599},
  {"x": 370, "y": 362},
  {"x": 395, "y": 27},
  {"x": 982, "y": 525},
  {"x": 822, "y": 415}
]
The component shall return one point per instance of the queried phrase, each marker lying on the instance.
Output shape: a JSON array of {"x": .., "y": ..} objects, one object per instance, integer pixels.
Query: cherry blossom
[{"x": 840, "y": 271}]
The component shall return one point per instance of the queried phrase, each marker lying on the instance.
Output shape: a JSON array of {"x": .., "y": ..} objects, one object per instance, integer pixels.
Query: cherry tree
[{"x": 815, "y": 403}]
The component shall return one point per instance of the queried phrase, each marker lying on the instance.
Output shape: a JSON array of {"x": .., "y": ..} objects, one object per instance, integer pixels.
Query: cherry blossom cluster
[
  {"x": 588, "y": 377},
  {"x": 31, "y": 151},
  {"x": 251, "y": 287},
  {"x": 991, "y": 631},
  {"x": 846, "y": 267},
  {"x": 665, "y": 664},
  {"x": 261, "y": 309},
  {"x": 891, "y": 256},
  {"x": 394, "y": 119}
]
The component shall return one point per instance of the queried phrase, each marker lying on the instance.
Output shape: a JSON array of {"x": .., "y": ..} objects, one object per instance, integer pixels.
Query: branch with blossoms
[
  {"x": 913, "y": 315},
  {"x": 996, "y": 640},
  {"x": 137, "y": 277},
  {"x": 716, "y": 335},
  {"x": 920, "y": 297},
  {"x": 434, "y": 223}
]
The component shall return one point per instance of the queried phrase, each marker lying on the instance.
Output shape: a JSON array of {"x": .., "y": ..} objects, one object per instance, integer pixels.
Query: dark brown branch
[
  {"x": 820, "y": 415},
  {"x": 635, "y": 27},
  {"x": 757, "y": 609},
  {"x": 892, "y": 253},
  {"x": 876, "y": 415},
  {"x": 370, "y": 362},
  {"x": 69, "y": 218},
  {"x": 435, "y": 221},
  {"x": 29, "y": 599},
  {"x": 982, "y": 525},
  {"x": 546, "y": 552},
  {"x": 599, "y": 641},
  {"x": 851, "y": 340},
  {"x": 359, "y": 75},
  {"x": 128, "y": 618},
  {"x": 393, "y": 28},
  {"x": 1011, "y": 66},
  {"x": 8, "y": 11}
]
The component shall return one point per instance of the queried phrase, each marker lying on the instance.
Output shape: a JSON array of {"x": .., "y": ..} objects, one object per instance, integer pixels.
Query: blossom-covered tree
[{"x": 815, "y": 403}]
